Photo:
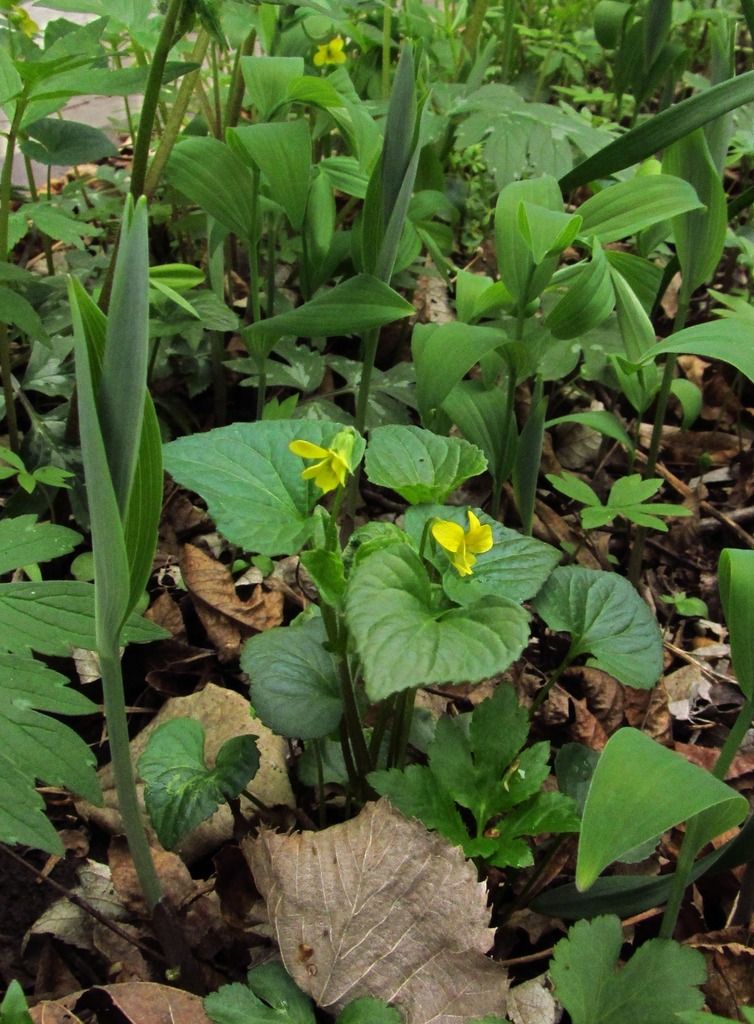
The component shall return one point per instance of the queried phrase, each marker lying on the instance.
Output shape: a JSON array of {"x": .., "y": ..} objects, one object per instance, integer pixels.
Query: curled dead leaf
[{"x": 381, "y": 907}]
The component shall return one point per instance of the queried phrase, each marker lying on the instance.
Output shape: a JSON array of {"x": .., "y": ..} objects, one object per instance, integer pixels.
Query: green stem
[
  {"x": 269, "y": 309},
  {"x": 321, "y": 809},
  {"x": 385, "y": 712},
  {"x": 474, "y": 25},
  {"x": 216, "y": 88},
  {"x": 370, "y": 341},
  {"x": 178, "y": 112},
  {"x": 6, "y": 182},
  {"x": 509, "y": 26},
  {"x": 236, "y": 91},
  {"x": 402, "y": 727},
  {"x": 117, "y": 730},
  {"x": 637, "y": 548},
  {"x": 692, "y": 840},
  {"x": 541, "y": 697},
  {"x": 152, "y": 97},
  {"x": 46, "y": 242},
  {"x": 261, "y": 386},
  {"x": 387, "y": 39}
]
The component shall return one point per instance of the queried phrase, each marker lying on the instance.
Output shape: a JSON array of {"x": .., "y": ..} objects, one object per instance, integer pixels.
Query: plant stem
[
  {"x": 117, "y": 729},
  {"x": 6, "y": 180},
  {"x": 178, "y": 112},
  {"x": 46, "y": 242},
  {"x": 509, "y": 25},
  {"x": 236, "y": 91},
  {"x": 691, "y": 840},
  {"x": 152, "y": 97},
  {"x": 371, "y": 338},
  {"x": 402, "y": 727},
  {"x": 541, "y": 697},
  {"x": 321, "y": 809},
  {"x": 474, "y": 25},
  {"x": 387, "y": 33},
  {"x": 637, "y": 548}
]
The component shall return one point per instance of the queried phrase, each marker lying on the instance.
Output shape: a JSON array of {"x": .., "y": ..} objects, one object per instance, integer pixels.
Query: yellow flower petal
[
  {"x": 478, "y": 538},
  {"x": 463, "y": 561},
  {"x": 327, "y": 479},
  {"x": 307, "y": 450},
  {"x": 320, "y": 57},
  {"x": 448, "y": 535}
]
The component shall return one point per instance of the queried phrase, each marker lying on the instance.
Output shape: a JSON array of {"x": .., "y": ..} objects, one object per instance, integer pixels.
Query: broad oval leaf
[
  {"x": 419, "y": 465},
  {"x": 391, "y": 608},
  {"x": 252, "y": 483},
  {"x": 294, "y": 680},
  {"x": 641, "y": 789},
  {"x": 515, "y": 567},
  {"x": 210, "y": 174},
  {"x": 606, "y": 619},
  {"x": 630, "y": 206},
  {"x": 180, "y": 791}
]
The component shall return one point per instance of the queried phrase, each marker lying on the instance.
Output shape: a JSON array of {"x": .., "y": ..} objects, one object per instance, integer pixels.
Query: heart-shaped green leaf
[
  {"x": 607, "y": 619},
  {"x": 514, "y": 568},
  {"x": 406, "y": 636},
  {"x": 252, "y": 483},
  {"x": 181, "y": 792},
  {"x": 419, "y": 465},
  {"x": 294, "y": 680}
]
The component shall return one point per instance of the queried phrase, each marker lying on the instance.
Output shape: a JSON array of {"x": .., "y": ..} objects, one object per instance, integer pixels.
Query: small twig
[
  {"x": 543, "y": 954},
  {"x": 718, "y": 677},
  {"x": 704, "y": 506},
  {"x": 84, "y": 905}
]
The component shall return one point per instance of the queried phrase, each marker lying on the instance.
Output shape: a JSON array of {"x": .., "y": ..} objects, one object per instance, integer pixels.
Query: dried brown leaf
[
  {"x": 380, "y": 907},
  {"x": 139, "y": 1002}
]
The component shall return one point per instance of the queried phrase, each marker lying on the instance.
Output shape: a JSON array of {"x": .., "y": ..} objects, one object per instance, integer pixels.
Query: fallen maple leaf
[{"x": 381, "y": 907}]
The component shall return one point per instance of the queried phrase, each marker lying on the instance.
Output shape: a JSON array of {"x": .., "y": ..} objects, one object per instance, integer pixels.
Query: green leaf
[
  {"x": 523, "y": 278},
  {"x": 607, "y": 619},
  {"x": 589, "y": 301},
  {"x": 546, "y": 232},
  {"x": 661, "y": 130},
  {"x": 736, "y": 582},
  {"x": 514, "y": 568},
  {"x": 420, "y": 466},
  {"x": 252, "y": 483},
  {"x": 52, "y": 141},
  {"x": 482, "y": 416},
  {"x": 283, "y": 153},
  {"x": 10, "y": 80},
  {"x": 699, "y": 234},
  {"x": 267, "y": 80},
  {"x": 327, "y": 571},
  {"x": 211, "y": 175},
  {"x": 391, "y": 608},
  {"x": 728, "y": 340},
  {"x": 14, "y": 1009},
  {"x": 270, "y": 996},
  {"x": 416, "y": 793},
  {"x": 180, "y": 791},
  {"x": 355, "y": 305},
  {"x": 641, "y": 789},
  {"x": 34, "y": 746},
  {"x": 630, "y": 206},
  {"x": 443, "y": 355},
  {"x": 19, "y": 312},
  {"x": 294, "y": 681},
  {"x": 573, "y": 487},
  {"x": 659, "y": 979},
  {"x": 54, "y": 617},
  {"x": 24, "y": 541},
  {"x": 369, "y": 1011}
]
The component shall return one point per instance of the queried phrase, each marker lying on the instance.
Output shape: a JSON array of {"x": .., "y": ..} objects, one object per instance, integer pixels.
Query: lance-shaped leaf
[
  {"x": 630, "y": 206},
  {"x": 736, "y": 581},
  {"x": 730, "y": 340},
  {"x": 607, "y": 620},
  {"x": 641, "y": 789},
  {"x": 181, "y": 791},
  {"x": 381, "y": 908},
  {"x": 34, "y": 746},
  {"x": 211, "y": 175},
  {"x": 283, "y": 153},
  {"x": 419, "y": 465},
  {"x": 392, "y": 608}
]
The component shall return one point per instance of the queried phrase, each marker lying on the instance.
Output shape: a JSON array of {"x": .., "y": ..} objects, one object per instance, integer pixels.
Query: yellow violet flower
[
  {"x": 334, "y": 463},
  {"x": 463, "y": 545},
  {"x": 330, "y": 53}
]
